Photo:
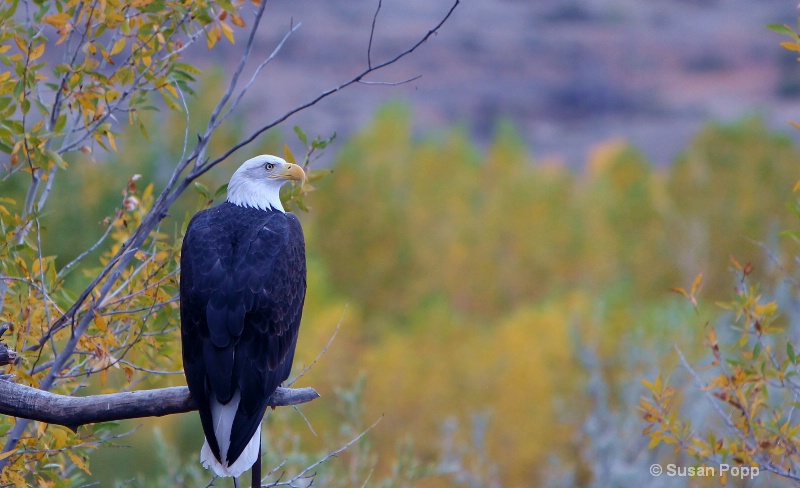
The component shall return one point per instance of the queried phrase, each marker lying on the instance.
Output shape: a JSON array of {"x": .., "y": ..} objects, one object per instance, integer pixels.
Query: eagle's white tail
[{"x": 223, "y": 422}]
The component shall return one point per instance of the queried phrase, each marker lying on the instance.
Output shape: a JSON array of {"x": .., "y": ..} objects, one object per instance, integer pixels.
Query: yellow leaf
[
  {"x": 20, "y": 42},
  {"x": 288, "y": 155},
  {"x": 796, "y": 185},
  {"x": 791, "y": 46},
  {"x": 106, "y": 56},
  {"x": 118, "y": 46},
  {"x": 37, "y": 266},
  {"x": 228, "y": 31},
  {"x": 16, "y": 478},
  {"x": 37, "y": 52},
  {"x": 238, "y": 21},
  {"x": 680, "y": 290},
  {"x": 172, "y": 90},
  {"x": 60, "y": 435},
  {"x": 56, "y": 20},
  {"x": 100, "y": 322},
  {"x": 213, "y": 35},
  {"x": 696, "y": 284},
  {"x": 79, "y": 462},
  {"x": 111, "y": 141}
]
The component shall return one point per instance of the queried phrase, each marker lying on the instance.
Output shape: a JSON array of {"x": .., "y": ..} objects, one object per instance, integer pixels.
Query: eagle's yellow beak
[{"x": 294, "y": 172}]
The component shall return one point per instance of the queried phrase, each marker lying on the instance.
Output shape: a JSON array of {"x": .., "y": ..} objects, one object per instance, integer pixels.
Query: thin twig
[
  {"x": 305, "y": 472},
  {"x": 391, "y": 83},
  {"x": 321, "y": 353},
  {"x": 81, "y": 256},
  {"x": 372, "y": 34}
]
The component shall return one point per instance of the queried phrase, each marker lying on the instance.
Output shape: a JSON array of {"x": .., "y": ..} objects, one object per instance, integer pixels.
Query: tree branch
[
  {"x": 34, "y": 404},
  {"x": 201, "y": 167}
]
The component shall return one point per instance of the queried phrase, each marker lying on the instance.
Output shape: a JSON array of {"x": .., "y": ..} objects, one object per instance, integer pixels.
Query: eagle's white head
[{"x": 257, "y": 183}]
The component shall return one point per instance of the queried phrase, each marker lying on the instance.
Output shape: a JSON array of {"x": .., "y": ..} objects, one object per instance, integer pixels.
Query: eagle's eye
[{"x": 269, "y": 166}]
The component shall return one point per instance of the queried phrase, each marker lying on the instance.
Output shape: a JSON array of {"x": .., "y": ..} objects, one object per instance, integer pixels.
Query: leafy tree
[
  {"x": 76, "y": 76},
  {"x": 749, "y": 380}
]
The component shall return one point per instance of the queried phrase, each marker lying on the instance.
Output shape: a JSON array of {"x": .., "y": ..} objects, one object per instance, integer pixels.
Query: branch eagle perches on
[{"x": 72, "y": 412}]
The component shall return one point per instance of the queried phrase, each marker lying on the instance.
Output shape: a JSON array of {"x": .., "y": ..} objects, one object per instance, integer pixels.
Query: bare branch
[
  {"x": 372, "y": 34},
  {"x": 391, "y": 83},
  {"x": 199, "y": 170},
  {"x": 34, "y": 404},
  {"x": 63, "y": 272}
]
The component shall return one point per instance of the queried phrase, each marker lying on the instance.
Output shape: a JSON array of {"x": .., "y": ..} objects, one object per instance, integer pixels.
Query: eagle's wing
[{"x": 243, "y": 284}]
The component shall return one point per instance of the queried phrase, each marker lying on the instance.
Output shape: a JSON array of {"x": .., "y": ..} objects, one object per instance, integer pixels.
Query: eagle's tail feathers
[{"x": 223, "y": 416}]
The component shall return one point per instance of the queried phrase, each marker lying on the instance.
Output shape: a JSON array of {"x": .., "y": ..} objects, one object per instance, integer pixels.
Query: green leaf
[
  {"x": 62, "y": 69},
  {"x": 55, "y": 158},
  {"x": 9, "y": 12},
  {"x": 222, "y": 190},
  {"x": 189, "y": 68},
  {"x": 781, "y": 29},
  {"x": 790, "y": 353},
  {"x": 227, "y": 6},
  {"x": 301, "y": 135},
  {"x": 319, "y": 143},
  {"x": 143, "y": 129},
  {"x": 202, "y": 189},
  {"x": 61, "y": 122}
]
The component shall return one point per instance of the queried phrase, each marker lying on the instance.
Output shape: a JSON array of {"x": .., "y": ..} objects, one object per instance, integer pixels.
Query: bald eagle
[{"x": 242, "y": 288}]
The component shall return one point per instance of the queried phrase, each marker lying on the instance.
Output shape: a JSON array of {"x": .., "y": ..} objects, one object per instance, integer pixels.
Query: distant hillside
[{"x": 568, "y": 73}]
